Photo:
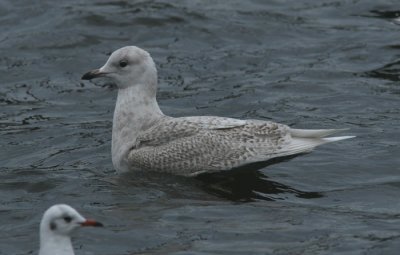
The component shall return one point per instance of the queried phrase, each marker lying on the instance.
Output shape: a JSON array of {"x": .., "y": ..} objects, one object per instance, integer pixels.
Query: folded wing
[{"x": 192, "y": 145}]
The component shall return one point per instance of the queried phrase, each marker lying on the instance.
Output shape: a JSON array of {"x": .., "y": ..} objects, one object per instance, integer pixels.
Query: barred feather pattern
[{"x": 192, "y": 145}]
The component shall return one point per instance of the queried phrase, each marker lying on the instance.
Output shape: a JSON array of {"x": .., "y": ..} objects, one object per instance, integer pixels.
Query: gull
[
  {"x": 56, "y": 227},
  {"x": 143, "y": 138}
]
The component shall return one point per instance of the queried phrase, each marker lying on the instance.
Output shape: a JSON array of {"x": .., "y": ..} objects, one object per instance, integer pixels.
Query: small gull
[
  {"x": 56, "y": 227},
  {"x": 143, "y": 138}
]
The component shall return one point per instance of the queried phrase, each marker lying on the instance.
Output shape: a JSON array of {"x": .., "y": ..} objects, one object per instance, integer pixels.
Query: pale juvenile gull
[
  {"x": 57, "y": 224},
  {"x": 143, "y": 138}
]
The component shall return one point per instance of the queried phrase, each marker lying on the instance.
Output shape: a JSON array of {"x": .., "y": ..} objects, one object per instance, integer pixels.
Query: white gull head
[
  {"x": 57, "y": 224},
  {"x": 128, "y": 66}
]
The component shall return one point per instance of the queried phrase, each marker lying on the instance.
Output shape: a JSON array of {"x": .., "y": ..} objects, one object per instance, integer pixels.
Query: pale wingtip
[
  {"x": 314, "y": 133},
  {"x": 338, "y": 138}
]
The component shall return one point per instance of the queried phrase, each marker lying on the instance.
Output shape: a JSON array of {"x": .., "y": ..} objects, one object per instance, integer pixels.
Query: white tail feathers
[
  {"x": 301, "y": 145},
  {"x": 304, "y": 140},
  {"x": 337, "y": 138},
  {"x": 314, "y": 133}
]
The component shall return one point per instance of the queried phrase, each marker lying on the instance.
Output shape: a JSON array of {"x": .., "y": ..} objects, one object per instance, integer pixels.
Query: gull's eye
[
  {"x": 67, "y": 219},
  {"x": 123, "y": 63}
]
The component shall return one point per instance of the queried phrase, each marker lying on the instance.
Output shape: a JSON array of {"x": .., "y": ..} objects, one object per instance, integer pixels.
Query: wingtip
[
  {"x": 314, "y": 133},
  {"x": 338, "y": 138}
]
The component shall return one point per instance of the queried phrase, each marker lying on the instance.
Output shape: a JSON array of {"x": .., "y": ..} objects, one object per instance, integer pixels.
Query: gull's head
[
  {"x": 61, "y": 220},
  {"x": 128, "y": 66}
]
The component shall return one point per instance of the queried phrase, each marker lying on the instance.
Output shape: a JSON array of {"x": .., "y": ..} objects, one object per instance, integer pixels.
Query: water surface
[{"x": 308, "y": 64}]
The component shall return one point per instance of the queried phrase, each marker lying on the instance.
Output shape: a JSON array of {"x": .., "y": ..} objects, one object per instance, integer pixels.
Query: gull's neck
[
  {"x": 51, "y": 244},
  {"x": 135, "y": 111}
]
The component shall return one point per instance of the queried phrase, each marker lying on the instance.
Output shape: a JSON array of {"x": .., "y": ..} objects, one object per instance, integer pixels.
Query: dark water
[{"x": 309, "y": 64}]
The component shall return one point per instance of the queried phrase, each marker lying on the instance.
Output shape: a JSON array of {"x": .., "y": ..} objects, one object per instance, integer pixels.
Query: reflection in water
[
  {"x": 243, "y": 184},
  {"x": 389, "y": 71},
  {"x": 247, "y": 184},
  {"x": 386, "y": 14}
]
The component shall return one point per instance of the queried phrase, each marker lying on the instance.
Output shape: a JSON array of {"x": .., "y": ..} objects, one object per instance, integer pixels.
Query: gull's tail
[
  {"x": 305, "y": 140},
  {"x": 314, "y": 133}
]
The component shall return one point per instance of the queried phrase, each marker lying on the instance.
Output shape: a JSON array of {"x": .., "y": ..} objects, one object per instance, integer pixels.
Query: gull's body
[
  {"x": 143, "y": 138},
  {"x": 57, "y": 224}
]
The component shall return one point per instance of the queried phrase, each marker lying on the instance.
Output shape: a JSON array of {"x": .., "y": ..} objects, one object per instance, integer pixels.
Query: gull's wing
[
  {"x": 192, "y": 145},
  {"x": 169, "y": 129}
]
